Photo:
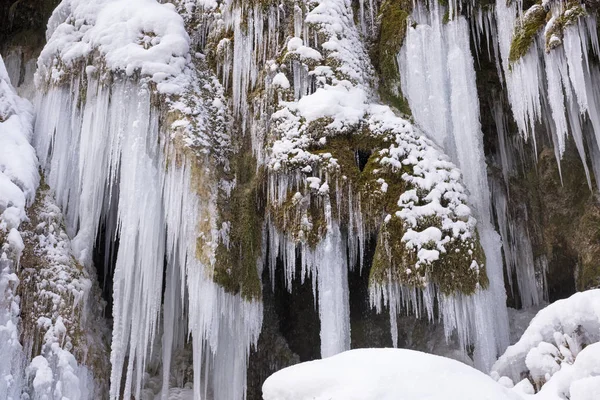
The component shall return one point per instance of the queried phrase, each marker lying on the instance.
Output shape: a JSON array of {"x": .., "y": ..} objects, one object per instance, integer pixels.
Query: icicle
[
  {"x": 572, "y": 45},
  {"x": 523, "y": 76},
  {"x": 506, "y": 157},
  {"x": 556, "y": 75},
  {"x": 442, "y": 52},
  {"x": 424, "y": 87}
]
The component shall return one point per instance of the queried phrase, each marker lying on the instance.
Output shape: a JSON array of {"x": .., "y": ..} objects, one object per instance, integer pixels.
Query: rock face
[{"x": 251, "y": 184}]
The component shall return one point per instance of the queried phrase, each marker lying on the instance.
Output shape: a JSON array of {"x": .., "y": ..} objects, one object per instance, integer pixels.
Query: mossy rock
[
  {"x": 526, "y": 31},
  {"x": 236, "y": 267},
  {"x": 570, "y": 16},
  {"x": 394, "y": 16},
  {"x": 376, "y": 189},
  {"x": 453, "y": 272}
]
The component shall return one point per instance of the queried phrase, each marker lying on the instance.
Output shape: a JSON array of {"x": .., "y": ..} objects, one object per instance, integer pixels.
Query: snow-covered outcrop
[{"x": 558, "y": 354}]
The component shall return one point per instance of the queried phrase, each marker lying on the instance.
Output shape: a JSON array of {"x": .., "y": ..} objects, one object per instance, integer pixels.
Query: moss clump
[
  {"x": 376, "y": 188},
  {"x": 525, "y": 32},
  {"x": 394, "y": 23},
  {"x": 455, "y": 271},
  {"x": 302, "y": 216},
  {"x": 588, "y": 240},
  {"x": 236, "y": 267}
]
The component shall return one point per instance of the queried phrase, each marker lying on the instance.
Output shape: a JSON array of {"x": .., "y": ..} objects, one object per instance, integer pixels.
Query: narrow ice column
[
  {"x": 333, "y": 300},
  {"x": 490, "y": 304},
  {"x": 426, "y": 87}
]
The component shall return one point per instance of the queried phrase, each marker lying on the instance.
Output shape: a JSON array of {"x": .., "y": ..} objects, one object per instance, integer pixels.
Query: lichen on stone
[{"x": 526, "y": 30}]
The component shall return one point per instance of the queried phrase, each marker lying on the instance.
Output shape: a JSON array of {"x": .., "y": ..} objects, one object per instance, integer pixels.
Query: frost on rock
[
  {"x": 44, "y": 293},
  {"x": 18, "y": 183},
  {"x": 558, "y": 354},
  {"x": 383, "y": 374},
  {"x": 61, "y": 311}
]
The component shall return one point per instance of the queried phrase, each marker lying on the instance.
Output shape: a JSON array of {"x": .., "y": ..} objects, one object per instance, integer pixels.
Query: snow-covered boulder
[
  {"x": 383, "y": 374},
  {"x": 558, "y": 349}
]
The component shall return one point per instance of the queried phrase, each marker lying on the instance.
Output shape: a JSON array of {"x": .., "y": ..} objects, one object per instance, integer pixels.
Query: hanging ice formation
[
  {"x": 546, "y": 53},
  {"x": 438, "y": 79},
  {"x": 215, "y": 138}
]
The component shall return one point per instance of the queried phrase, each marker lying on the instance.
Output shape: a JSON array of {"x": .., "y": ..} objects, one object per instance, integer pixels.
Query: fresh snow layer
[
  {"x": 132, "y": 36},
  {"x": 558, "y": 349},
  {"x": 383, "y": 374}
]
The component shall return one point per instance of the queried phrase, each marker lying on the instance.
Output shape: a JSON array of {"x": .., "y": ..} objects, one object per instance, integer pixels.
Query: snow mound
[
  {"x": 554, "y": 338},
  {"x": 383, "y": 374},
  {"x": 577, "y": 381}
]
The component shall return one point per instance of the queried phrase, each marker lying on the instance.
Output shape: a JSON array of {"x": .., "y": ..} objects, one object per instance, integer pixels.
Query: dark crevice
[
  {"x": 368, "y": 328},
  {"x": 104, "y": 259},
  {"x": 298, "y": 315},
  {"x": 362, "y": 157},
  {"x": 561, "y": 273}
]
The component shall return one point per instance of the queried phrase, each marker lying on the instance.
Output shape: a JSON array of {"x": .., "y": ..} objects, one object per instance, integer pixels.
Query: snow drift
[{"x": 383, "y": 374}]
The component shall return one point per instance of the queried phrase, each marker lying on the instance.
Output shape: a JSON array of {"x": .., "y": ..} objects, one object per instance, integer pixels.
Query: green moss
[
  {"x": 394, "y": 23},
  {"x": 530, "y": 24},
  {"x": 236, "y": 266},
  {"x": 452, "y": 272},
  {"x": 588, "y": 240}
]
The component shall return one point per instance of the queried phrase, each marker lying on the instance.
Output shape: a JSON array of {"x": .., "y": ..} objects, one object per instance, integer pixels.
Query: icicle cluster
[
  {"x": 438, "y": 80},
  {"x": 135, "y": 136},
  {"x": 549, "y": 75},
  {"x": 150, "y": 167},
  {"x": 408, "y": 189}
]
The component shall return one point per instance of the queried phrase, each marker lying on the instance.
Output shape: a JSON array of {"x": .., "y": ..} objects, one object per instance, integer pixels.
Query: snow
[
  {"x": 18, "y": 183},
  {"x": 281, "y": 81},
  {"x": 575, "y": 320},
  {"x": 135, "y": 36},
  {"x": 383, "y": 374}
]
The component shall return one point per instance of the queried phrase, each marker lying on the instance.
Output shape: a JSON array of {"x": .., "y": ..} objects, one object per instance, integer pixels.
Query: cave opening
[{"x": 561, "y": 273}]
